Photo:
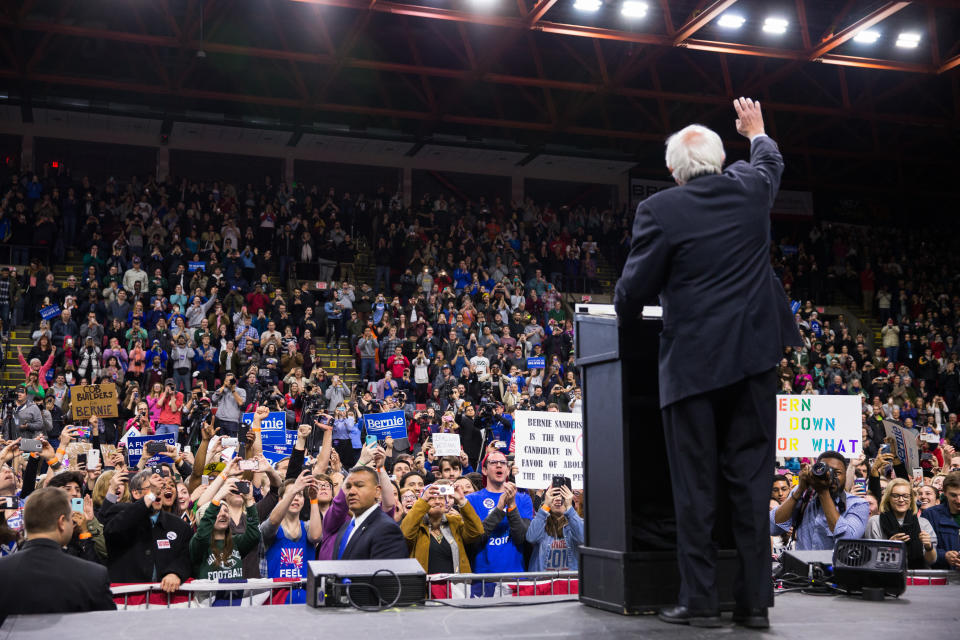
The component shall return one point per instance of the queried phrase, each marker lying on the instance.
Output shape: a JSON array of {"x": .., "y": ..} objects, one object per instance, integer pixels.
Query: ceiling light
[
  {"x": 587, "y": 5},
  {"x": 634, "y": 9},
  {"x": 731, "y": 21},
  {"x": 908, "y": 40},
  {"x": 775, "y": 25},
  {"x": 867, "y": 36}
]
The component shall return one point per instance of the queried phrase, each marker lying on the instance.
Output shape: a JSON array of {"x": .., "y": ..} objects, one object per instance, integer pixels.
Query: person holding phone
[
  {"x": 289, "y": 542},
  {"x": 437, "y": 536},
  {"x": 216, "y": 550},
  {"x": 346, "y": 435},
  {"x": 556, "y": 532}
]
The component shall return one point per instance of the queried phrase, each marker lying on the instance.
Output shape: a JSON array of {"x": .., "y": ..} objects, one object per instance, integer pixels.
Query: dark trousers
[{"x": 721, "y": 450}]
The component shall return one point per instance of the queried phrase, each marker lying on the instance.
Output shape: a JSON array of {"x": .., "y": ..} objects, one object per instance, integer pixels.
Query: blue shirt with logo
[{"x": 499, "y": 554}]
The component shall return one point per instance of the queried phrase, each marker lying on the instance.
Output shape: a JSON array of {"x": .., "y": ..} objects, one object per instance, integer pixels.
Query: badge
[
  {"x": 171, "y": 535},
  {"x": 163, "y": 544},
  {"x": 488, "y": 503}
]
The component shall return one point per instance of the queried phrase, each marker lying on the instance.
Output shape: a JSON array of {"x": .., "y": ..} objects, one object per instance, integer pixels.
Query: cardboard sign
[
  {"x": 905, "y": 439},
  {"x": 446, "y": 444},
  {"x": 196, "y": 266},
  {"x": 548, "y": 444},
  {"x": 391, "y": 423},
  {"x": 73, "y": 449},
  {"x": 94, "y": 400},
  {"x": 536, "y": 363},
  {"x": 135, "y": 447},
  {"x": 809, "y": 425},
  {"x": 106, "y": 453},
  {"x": 273, "y": 429},
  {"x": 51, "y": 312}
]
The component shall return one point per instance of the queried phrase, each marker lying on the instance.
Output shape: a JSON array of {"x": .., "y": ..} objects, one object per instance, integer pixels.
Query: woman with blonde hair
[{"x": 898, "y": 520}]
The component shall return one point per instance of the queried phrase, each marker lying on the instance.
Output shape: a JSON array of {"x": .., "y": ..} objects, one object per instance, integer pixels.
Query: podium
[{"x": 628, "y": 562}]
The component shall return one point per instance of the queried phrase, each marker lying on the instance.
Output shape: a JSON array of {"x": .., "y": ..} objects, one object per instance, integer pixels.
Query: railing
[
  {"x": 442, "y": 586},
  {"x": 206, "y": 593},
  {"x": 42, "y": 253}
]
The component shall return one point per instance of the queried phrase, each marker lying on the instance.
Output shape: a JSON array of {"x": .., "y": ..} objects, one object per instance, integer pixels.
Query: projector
[
  {"x": 870, "y": 565},
  {"x": 366, "y": 584}
]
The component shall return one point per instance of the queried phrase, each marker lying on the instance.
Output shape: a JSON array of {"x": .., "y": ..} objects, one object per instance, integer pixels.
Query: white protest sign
[
  {"x": 905, "y": 443},
  {"x": 548, "y": 444},
  {"x": 132, "y": 431},
  {"x": 809, "y": 425},
  {"x": 446, "y": 444}
]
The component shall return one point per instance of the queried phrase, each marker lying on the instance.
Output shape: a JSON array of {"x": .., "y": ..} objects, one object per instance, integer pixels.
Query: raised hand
[{"x": 749, "y": 117}]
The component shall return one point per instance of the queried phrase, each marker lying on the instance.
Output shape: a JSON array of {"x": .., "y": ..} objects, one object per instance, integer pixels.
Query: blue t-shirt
[{"x": 499, "y": 555}]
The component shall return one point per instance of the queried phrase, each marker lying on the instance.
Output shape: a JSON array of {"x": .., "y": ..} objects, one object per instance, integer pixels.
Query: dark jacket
[
  {"x": 704, "y": 247},
  {"x": 379, "y": 537},
  {"x": 140, "y": 551},
  {"x": 947, "y": 530},
  {"x": 41, "y": 578}
]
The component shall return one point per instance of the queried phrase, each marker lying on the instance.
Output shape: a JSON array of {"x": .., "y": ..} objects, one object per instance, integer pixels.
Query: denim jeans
[{"x": 164, "y": 429}]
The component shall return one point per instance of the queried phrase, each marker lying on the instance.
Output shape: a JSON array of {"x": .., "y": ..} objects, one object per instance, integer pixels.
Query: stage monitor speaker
[
  {"x": 814, "y": 565},
  {"x": 365, "y": 584},
  {"x": 870, "y": 564}
]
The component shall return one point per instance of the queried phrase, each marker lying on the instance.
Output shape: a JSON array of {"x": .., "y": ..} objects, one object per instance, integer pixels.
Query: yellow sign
[{"x": 94, "y": 400}]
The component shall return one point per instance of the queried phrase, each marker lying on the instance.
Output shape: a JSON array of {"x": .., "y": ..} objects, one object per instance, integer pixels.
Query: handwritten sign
[
  {"x": 391, "y": 423},
  {"x": 548, "y": 444},
  {"x": 446, "y": 444},
  {"x": 809, "y": 425},
  {"x": 94, "y": 400}
]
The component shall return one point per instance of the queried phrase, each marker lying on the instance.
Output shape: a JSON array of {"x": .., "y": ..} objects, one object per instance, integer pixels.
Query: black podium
[{"x": 628, "y": 563}]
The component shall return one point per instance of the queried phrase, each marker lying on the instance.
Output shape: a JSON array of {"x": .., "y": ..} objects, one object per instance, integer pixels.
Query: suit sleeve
[
  {"x": 766, "y": 159},
  {"x": 389, "y": 543},
  {"x": 646, "y": 268},
  {"x": 103, "y": 597}
]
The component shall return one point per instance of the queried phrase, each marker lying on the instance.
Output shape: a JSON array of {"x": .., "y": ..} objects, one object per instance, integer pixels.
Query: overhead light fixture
[
  {"x": 867, "y": 36},
  {"x": 587, "y": 5},
  {"x": 634, "y": 9},
  {"x": 775, "y": 25},
  {"x": 731, "y": 21},
  {"x": 908, "y": 40}
]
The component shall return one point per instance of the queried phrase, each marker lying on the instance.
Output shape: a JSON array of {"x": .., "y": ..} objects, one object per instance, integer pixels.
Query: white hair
[{"x": 694, "y": 151}]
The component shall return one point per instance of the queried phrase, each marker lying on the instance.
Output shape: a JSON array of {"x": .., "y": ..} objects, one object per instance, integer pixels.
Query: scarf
[{"x": 911, "y": 526}]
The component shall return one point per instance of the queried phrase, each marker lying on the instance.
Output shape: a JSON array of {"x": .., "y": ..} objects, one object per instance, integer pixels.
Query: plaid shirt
[
  {"x": 244, "y": 332},
  {"x": 388, "y": 346}
]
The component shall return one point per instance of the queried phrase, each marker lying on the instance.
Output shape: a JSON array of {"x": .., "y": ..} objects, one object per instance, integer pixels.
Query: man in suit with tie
[
  {"x": 370, "y": 533},
  {"x": 704, "y": 247},
  {"x": 41, "y": 578}
]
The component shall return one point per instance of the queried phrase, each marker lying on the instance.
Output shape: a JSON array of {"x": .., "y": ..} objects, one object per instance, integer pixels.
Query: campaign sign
[
  {"x": 135, "y": 446},
  {"x": 548, "y": 444},
  {"x": 273, "y": 428},
  {"x": 274, "y": 457},
  {"x": 809, "y": 425},
  {"x": 48, "y": 313},
  {"x": 391, "y": 423},
  {"x": 536, "y": 363},
  {"x": 196, "y": 266},
  {"x": 905, "y": 443}
]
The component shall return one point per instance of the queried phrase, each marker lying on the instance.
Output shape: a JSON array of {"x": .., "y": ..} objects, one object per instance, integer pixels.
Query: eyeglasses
[
  {"x": 496, "y": 462},
  {"x": 900, "y": 496},
  {"x": 324, "y": 485}
]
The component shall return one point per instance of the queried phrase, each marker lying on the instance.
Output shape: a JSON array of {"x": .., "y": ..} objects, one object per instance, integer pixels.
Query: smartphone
[
  {"x": 186, "y": 449},
  {"x": 229, "y": 442},
  {"x": 93, "y": 459},
  {"x": 8, "y": 502},
  {"x": 862, "y": 483},
  {"x": 204, "y": 480},
  {"x": 30, "y": 445},
  {"x": 446, "y": 489},
  {"x": 76, "y": 504},
  {"x": 153, "y": 447},
  {"x": 372, "y": 441},
  {"x": 249, "y": 465},
  {"x": 243, "y": 487},
  {"x": 82, "y": 459},
  {"x": 918, "y": 476},
  {"x": 885, "y": 448},
  {"x": 562, "y": 481},
  {"x": 242, "y": 439},
  {"x": 83, "y": 432}
]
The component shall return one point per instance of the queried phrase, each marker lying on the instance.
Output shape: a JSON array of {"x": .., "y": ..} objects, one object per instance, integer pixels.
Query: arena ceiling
[{"x": 522, "y": 75}]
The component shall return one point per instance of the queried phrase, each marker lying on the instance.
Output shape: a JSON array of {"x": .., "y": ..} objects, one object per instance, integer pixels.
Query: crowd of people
[{"x": 462, "y": 326}]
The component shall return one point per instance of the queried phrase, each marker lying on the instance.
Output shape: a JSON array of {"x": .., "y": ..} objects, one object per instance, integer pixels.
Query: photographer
[
  {"x": 818, "y": 510},
  {"x": 229, "y": 400}
]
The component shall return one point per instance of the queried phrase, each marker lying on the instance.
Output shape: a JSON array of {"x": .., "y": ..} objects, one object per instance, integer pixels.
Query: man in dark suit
[
  {"x": 370, "y": 533},
  {"x": 41, "y": 578},
  {"x": 703, "y": 246}
]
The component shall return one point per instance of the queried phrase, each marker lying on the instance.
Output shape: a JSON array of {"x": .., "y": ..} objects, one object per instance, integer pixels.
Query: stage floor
[{"x": 929, "y": 612}]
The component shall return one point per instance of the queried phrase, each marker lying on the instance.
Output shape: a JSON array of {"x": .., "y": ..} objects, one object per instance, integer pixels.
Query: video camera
[{"x": 823, "y": 475}]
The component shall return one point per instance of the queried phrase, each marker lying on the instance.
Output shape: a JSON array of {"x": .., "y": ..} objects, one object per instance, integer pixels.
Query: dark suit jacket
[
  {"x": 379, "y": 537},
  {"x": 41, "y": 578},
  {"x": 137, "y": 549},
  {"x": 705, "y": 249}
]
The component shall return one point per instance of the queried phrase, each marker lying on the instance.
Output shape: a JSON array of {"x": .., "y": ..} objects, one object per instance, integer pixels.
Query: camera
[{"x": 823, "y": 475}]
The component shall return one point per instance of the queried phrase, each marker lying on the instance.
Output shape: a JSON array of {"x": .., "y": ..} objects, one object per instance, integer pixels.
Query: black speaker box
[{"x": 365, "y": 583}]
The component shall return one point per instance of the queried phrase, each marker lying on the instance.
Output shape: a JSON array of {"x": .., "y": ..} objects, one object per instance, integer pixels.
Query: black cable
[{"x": 370, "y": 585}]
